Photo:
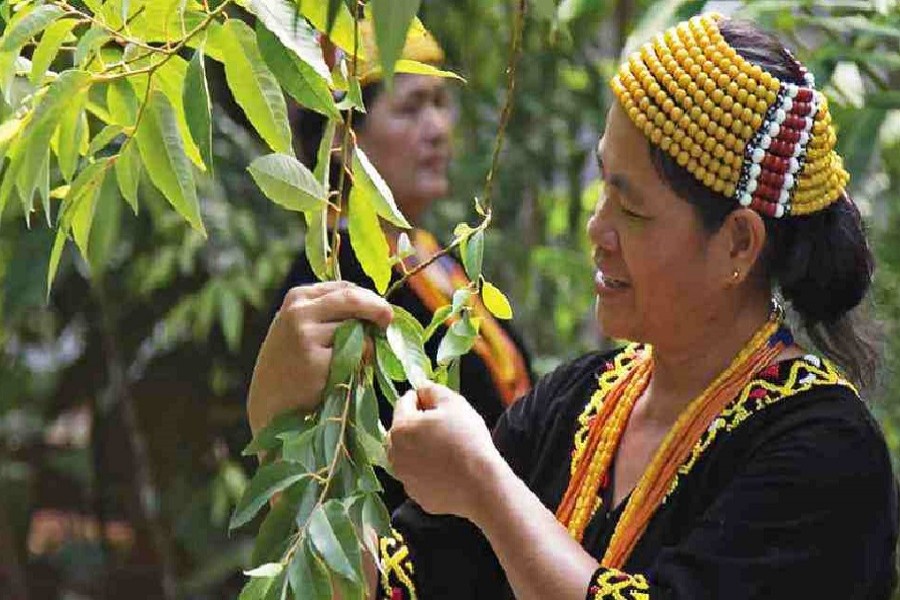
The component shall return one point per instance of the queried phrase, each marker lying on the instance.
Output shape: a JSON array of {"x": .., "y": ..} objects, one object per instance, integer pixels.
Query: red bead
[
  {"x": 776, "y": 180},
  {"x": 804, "y": 95},
  {"x": 794, "y": 123},
  {"x": 801, "y": 109},
  {"x": 767, "y": 192},
  {"x": 760, "y": 205},
  {"x": 790, "y": 136},
  {"x": 396, "y": 593}
]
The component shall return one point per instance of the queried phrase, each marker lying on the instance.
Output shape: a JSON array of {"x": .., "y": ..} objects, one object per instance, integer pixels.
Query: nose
[
  {"x": 600, "y": 230},
  {"x": 436, "y": 124}
]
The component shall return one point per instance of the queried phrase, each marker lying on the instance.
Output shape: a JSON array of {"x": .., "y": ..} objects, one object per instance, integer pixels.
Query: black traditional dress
[
  {"x": 789, "y": 494},
  {"x": 496, "y": 373}
]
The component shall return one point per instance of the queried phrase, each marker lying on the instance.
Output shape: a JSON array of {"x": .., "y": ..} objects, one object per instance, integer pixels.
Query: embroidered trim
[
  {"x": 396, "y": 568},
  {"x": 802, "y": 376},
  {"x": 613, "y": 371},
  {"x": 612, "y": 584}
]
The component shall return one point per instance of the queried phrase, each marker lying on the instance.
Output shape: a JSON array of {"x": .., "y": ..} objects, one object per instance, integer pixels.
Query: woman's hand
[
  {"x": 292, "y": 365},
  {"x": 441, "y": 450}
]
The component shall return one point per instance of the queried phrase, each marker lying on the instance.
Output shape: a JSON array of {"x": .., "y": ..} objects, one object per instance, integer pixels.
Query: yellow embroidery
[
  {"x": 612, "y": 584},
  {"x": 803, "y": 375},
  {"x": 396, "y": 567},
  {"x": 606, "y": 380}
]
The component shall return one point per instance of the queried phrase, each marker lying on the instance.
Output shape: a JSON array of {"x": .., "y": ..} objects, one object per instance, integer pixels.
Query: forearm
[{"x": 539, "y": 557}]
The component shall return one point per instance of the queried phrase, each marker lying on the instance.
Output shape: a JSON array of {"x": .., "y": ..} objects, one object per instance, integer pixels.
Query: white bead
[
  {"x": 798, "y": 149},
  {"x": 793, "y": 90},
  {"x": 779, "y": 211},
  {"x": 783, "y": 197},
  {"x": 765, "y": 142},
  {"x": 795, "y": 165},
  {"x": 774, "y": 129},
  {"x": 755, "y": 170},
  {"x": 809, "y": 124},
  {"x": 804, "y": 138},
  {"x": 780, "y": 116},
  {"x": 751, "y": 186},
  {"x": 758, "y": 155},
  {"x": 788, "y": 181},
  {"x": 746, "y": 200},
  {"x": 787, "y": 105},
  {"x": 810, "y": 80}
]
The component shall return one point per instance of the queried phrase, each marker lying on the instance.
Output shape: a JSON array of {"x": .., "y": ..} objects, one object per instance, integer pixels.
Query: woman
[
  {"x": 717, "y": 460},
  {"x": 406, "y": 134}
]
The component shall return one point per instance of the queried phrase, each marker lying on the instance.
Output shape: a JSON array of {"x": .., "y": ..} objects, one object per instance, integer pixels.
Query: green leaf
[
  {"x": 300, "y": 447},
  {"x": 287, "y": 182},
  {"x": 272, "y": 540},
  {"x": 268, "y": 481},
  {"x": 257, "y": 588},
  {"x": 281, "y": 18},
  {"x": 128, "y": 174},
  {"x": 162, "y": 151},
  {"x": 367, "y": 238},
  {"x": 79, "y": 204},
  {"x": 28, "y": 27},
  {"x": 375, "y": 515},
  {"x": 266, "y": 570},
  {"x": 231, "y": 318},
  {"x": 347, "y": 351},
  {"x": 388, "y": 390},
  {"x": 72, "y": 130},
  {"x": 254, "y": 86},
  {"x": 28, "y": 158},
  {"x": 458, "y": 340},
  {"x": 368, "y": 183},
  {"x": 387, "y": 360},
  {"x": 392, "y": 19},
  {"x": 307, "y": 575},
  {"x": 102, "y": 139},
  {"x": 333, "y": 537},
  {"x": 299, "y": 79},
  {"x": 197, "y": 107},
  {"x": 55, "y": 254},
  {"x": 453, "y": 374},
  {"x": 341, "y": 29},
  {"x": 122, "y": 103},
  {"x": 106, "y": 226},
  {"x": 440, "y": 315},
  {"x": 88, "y": 44},
  {"x": 48, "y": 48},
  {"x": 415, "y": 67},
  {"x": 330, "y": 432},
  {"x": 370, "y": 433},
  {"x": 495, "y": 301},
  {"x": 405, "y": 336},
  {"x": 316, "y": 238},
  {"x": 472, "y": 254},
  {"x": 267, "y": 439}
]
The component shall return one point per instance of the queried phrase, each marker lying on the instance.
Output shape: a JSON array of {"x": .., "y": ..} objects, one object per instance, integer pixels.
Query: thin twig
[{"x": 515, "y": 51}]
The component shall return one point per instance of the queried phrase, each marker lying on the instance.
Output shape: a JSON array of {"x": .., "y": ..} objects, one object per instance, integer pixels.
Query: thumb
[
  {"x": 406, "y": 406},
  {"x": 433, "y": 395}
]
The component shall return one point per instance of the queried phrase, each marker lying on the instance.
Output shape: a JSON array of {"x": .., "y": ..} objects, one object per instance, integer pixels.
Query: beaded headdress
[{"x": 736, "y": 128}]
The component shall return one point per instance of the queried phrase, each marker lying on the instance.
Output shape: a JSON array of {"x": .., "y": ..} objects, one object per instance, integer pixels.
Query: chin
[{"x": 613, "y": 323}]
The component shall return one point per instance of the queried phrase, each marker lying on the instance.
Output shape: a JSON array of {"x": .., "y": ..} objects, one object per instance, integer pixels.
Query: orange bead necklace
[{"x": 592, "y": 464}]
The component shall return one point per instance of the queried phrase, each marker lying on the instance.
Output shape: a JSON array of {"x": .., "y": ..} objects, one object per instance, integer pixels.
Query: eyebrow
[{"x": 617, "y": 180}]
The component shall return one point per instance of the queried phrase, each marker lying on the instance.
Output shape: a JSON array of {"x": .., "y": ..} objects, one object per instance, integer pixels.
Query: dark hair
[{"x": 821, "y": 262}]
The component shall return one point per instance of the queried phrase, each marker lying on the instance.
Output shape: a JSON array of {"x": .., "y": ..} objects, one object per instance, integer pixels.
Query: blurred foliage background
[{"x": 122, "y": 399}]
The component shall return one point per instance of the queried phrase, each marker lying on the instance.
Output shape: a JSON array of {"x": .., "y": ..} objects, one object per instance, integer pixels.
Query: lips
[{"x": 606, "y": 282}]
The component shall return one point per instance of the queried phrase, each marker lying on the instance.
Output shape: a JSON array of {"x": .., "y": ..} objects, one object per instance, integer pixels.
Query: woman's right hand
[{"x": 292, "y": 364}]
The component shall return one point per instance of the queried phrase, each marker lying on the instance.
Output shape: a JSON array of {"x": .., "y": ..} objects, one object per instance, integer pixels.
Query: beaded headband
[{"x": 736, "y": 128}]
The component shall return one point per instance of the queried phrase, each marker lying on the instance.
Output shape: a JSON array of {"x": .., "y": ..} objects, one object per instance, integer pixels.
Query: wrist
[{"x": 493, "y": 480}]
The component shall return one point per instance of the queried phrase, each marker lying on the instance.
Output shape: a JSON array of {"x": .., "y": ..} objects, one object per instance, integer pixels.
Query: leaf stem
[
  {"x": 515, "y": 51},
  {"x": 442, "y": 252}
]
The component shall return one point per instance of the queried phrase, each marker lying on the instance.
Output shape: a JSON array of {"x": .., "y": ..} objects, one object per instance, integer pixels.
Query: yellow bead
[
  {"x": 719, "y": 152},
  {"x": 747, "y": 115},
  {"x": 678, "y": 136},
  {"x": 703, "y": 121},
  {"x": 710, "y": 86},
  {"x": 716, "y": 114},
  {"x": 665, "y": 144},
  {"x": 747, "y": 132},
  {"x": 741, "y": 96},
  {"x": 726, "y": 120}
]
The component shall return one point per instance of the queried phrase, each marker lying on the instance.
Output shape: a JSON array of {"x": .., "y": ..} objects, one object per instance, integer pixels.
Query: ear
[{"x": 744, "y": 234}]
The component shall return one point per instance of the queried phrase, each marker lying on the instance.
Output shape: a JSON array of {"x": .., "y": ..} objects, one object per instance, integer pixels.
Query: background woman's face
[{"x": 407, "y": 137}]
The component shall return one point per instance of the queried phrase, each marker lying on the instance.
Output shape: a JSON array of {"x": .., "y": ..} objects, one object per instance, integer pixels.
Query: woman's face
[
  {"x": 407, "y": 137},
  {"x": 658, "y": 273}
]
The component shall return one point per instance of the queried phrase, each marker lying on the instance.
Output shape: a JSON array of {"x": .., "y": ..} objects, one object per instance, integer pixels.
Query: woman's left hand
[{"x": 441, "y": 450}]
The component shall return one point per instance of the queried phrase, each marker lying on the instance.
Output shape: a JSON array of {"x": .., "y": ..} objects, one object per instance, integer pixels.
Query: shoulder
[{"x": 562, "y": 394}]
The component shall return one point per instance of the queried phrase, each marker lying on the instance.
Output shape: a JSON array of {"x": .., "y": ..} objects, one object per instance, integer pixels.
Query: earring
[{"x": 735, "y": 275}]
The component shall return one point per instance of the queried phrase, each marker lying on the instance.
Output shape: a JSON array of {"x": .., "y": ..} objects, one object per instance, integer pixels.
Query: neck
[{"x": 685, "y": 367}]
